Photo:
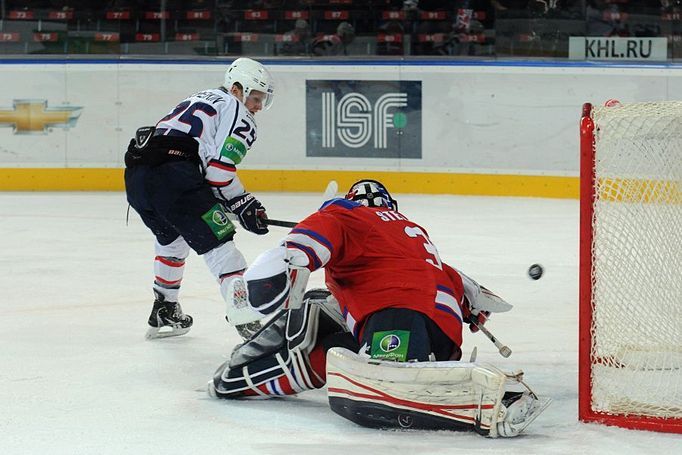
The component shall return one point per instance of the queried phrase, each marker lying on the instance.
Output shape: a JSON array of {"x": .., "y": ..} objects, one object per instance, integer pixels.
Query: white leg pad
[{"x": 467, "y": 395}]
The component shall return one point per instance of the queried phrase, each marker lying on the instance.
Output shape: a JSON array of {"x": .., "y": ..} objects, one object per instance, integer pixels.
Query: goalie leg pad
[
  {"x": 277, "y": 359},
  {"x": 428, "y": 395}
]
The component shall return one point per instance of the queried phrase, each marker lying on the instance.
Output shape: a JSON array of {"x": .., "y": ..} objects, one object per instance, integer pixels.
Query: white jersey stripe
[
  {"x": 449, "y": 301},
  {"x": 320, "y": 250}
]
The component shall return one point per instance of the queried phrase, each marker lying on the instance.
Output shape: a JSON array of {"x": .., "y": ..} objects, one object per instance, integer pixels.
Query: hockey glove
[
  {"x": 480, "y": 317},
  {"x": 250, "y": 212}
]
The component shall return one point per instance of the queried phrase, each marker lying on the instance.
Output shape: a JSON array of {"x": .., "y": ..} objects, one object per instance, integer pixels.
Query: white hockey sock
[{"x": 169, "y": 268}]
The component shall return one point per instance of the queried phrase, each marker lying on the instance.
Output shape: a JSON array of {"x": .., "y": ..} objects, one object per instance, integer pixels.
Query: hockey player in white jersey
[{"x": 181, "y": 177}]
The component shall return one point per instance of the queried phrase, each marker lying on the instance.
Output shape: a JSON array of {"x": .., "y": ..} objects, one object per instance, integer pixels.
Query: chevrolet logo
[{"x": 34, "y": 117}]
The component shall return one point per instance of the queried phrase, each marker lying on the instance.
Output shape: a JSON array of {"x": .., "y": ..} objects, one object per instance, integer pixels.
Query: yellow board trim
[{"x": 108, "y": 179}]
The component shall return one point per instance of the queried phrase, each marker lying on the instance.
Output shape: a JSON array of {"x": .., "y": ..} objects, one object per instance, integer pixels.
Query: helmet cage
[{"x": 372, "y": 194}]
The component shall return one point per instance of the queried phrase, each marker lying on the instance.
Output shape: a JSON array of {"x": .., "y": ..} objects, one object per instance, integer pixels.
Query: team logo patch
[
  {"x": 220, "y": 218},
  {"x": 233, "y": 150},
  {"x": 390, "y": 345},
  {"x": 218, "y": 222}
]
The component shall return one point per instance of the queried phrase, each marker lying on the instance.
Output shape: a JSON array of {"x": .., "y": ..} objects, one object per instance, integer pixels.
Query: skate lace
[{"x": 177, "y": 313}]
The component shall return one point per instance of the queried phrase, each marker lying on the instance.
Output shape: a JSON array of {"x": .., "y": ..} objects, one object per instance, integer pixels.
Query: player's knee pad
[
  {"x": 277, "y": 359},
  {"x": 178, "y": 248},
  {"x": 447, "y": 395},
  {"x": 224, "y": 259}
]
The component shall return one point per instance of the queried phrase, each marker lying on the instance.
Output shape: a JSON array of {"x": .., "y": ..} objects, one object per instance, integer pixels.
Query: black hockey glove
[{"x": 250, "y": 212}]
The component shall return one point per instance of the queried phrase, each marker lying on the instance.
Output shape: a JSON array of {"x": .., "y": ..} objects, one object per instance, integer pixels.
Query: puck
[{"x": 535, "y": 271}]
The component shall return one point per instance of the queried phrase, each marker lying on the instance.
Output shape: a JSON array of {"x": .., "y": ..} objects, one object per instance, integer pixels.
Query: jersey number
[
  {"x": 245, "y": 129},
  {"x": 186, "y": 112},
  {"x": 430, "y": 248}
]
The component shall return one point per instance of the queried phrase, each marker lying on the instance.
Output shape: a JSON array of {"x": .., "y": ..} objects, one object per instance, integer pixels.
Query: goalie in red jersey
[{"x": 390, "y": 298}]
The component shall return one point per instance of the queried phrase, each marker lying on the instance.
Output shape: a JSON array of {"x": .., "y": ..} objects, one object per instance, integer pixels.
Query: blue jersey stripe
[
  {"x": 448, "y": 310},
  {"x": 445, "y": 289},
  {"x": 345, "y": 203}
]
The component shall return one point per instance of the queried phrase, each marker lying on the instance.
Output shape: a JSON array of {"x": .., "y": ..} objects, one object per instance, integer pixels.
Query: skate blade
[
  {"x": 154, "y": 333},
  {"x": 210, "y": 388}
]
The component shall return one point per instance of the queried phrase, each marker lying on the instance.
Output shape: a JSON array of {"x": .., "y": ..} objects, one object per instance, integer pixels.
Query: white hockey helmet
[
  {"x": 372, "y": 194},
  {"x": 251, "y": 75}
]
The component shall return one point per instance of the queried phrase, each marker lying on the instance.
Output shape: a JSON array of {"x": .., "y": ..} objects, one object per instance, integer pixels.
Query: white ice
[{"x": 77, "y": 376}]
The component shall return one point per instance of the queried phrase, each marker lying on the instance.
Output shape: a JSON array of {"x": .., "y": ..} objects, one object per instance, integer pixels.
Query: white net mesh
[{"x": 637, "y": 260}]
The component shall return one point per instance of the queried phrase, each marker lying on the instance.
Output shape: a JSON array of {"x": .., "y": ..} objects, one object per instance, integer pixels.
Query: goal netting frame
[{"x": 630, "y": 334}]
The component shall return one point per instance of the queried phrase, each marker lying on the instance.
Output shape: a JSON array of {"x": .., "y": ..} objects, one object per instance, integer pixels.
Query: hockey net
[{"x": 631, "y": 266}]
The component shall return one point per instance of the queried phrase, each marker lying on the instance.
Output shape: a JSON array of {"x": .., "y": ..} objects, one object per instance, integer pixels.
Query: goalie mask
[
  {"x": 372, "y": 194},
  {"x": 251, "y": 75}
]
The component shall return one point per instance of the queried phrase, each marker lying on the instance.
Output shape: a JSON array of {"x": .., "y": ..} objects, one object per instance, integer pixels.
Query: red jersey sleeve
[{"x": 319, "y": 236}]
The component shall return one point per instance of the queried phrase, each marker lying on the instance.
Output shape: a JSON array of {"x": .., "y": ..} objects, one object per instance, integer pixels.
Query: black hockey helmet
[{"x": 372, "y": 194}]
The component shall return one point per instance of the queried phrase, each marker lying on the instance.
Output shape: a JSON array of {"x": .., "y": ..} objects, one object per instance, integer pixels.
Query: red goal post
[{"x": 630, "y": 335}]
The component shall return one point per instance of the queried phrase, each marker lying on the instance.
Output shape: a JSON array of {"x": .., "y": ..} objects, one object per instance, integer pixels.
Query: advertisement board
[{"x": 364, "y": 119}]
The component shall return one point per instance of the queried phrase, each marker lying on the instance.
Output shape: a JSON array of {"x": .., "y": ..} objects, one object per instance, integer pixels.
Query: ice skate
[
  {"x": 167, "y": 319},
  {"x": 521, "y": 410}
]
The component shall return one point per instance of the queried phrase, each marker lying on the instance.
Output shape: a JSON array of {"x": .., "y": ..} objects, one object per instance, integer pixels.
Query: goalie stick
[
  {"x": 505, "y": 351},
  {"x": 487, "y": 301}
]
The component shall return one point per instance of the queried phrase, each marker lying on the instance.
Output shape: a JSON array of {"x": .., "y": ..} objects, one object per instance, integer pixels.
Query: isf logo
[
  {"x": 372, "y": 119},
  {"x": 354, "y": 120}
]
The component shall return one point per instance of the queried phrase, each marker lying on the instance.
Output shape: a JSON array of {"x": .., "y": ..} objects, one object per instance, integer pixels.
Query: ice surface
[{"x": 77, "y": 376}]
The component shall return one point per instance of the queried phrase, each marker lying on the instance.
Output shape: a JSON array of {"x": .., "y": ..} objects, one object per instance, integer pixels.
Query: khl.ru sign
[{"x": 617, "y": 48}]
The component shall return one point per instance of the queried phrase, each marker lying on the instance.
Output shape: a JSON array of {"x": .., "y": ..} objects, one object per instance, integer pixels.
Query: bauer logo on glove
[{"x": 250, "y": 212}]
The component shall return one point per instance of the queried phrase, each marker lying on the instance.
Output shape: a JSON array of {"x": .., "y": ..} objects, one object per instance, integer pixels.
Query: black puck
[{"x": 535, "y": 271}]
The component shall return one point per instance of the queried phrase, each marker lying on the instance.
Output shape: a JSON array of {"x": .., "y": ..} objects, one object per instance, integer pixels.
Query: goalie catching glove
[
  {"x": 473, "y": 316},
  {"x": 250, "y": 212},
  {"x": 479, "y": 303}
]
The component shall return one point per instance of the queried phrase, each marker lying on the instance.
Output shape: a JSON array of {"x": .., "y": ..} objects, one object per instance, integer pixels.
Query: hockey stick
[
  {"x": 287, "y": 224},
  {"x": 504, "y": 350},
  {"x": 329, "y": 193}
]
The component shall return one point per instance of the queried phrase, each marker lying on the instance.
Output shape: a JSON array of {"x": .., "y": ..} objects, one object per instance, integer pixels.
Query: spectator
[
  {"x": 296, "y": 41},
  {"x": 336, "y": 44}
]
